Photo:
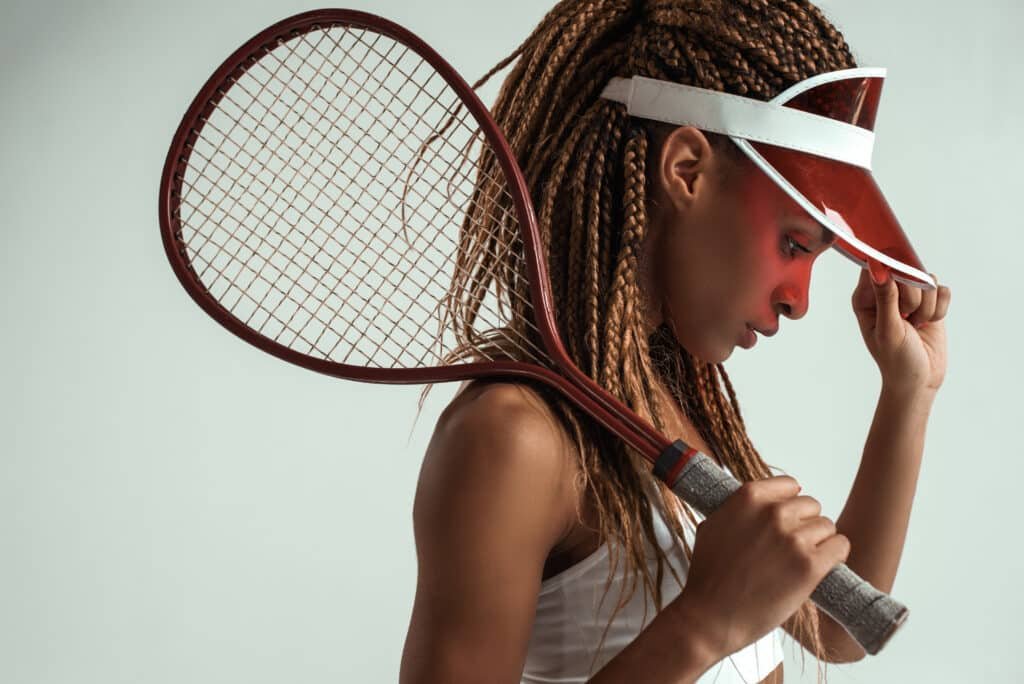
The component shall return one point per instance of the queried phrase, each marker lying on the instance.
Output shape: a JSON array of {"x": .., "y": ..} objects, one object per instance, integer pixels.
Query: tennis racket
[{"x": 336, "y": 190}]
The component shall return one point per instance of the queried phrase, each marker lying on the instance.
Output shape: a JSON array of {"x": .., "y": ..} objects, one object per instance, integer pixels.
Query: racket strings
[
  {"x": 293, "y": 150},
  {"x": 365, "y": 247},
  {"x": 497, "y": 258},
  {"x": 308, "y": 102},
  {"x": 292, "y": 221}
]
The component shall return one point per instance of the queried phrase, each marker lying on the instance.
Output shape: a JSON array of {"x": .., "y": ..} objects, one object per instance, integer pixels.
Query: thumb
[{"x": 888, "y": 323}]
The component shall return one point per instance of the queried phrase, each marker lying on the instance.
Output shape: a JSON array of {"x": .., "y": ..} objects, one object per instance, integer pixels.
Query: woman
[{"x": 547, "y": 551}]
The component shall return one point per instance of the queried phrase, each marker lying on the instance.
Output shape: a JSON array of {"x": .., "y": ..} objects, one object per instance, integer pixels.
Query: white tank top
[{"x": 570, "y": 619}]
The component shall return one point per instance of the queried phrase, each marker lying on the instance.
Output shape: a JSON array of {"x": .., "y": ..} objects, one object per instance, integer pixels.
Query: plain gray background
[{"x": 176, "y": 506}]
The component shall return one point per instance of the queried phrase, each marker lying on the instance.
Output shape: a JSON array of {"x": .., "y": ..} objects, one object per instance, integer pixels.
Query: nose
[{"x": 791, "y": 300}]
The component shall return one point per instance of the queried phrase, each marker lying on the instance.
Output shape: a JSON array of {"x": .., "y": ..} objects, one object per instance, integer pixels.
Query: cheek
[
  {"x": 706, "y": 304},
  {"x": 692, "y": 274},
  {"x": 763, "y": 264},
  {"x": 760, "y": 254},
  {"x": 705, "y": 278}
]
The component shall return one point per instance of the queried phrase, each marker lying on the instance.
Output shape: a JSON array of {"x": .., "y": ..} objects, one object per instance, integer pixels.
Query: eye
[{"x": 792, "y": 247}]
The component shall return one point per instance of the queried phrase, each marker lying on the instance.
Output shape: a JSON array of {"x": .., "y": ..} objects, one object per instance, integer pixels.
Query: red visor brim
[
  {"x": 842, "y": 196},
  {"x": 850, "y": 198}
]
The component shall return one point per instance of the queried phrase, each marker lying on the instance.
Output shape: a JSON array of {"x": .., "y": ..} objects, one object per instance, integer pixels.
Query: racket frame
[
  {"x": 579, "y": 388},
  {"x": 870, "y": 616}
]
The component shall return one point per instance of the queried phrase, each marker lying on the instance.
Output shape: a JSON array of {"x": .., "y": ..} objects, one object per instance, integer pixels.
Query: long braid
[
  {"x": 553, "y": 64},
  {"x": 598, "y": 211},
  {"x": 584, "y": 162},
  {"x": 592, "y": 26},
  {"x": 620, "y": 305}
]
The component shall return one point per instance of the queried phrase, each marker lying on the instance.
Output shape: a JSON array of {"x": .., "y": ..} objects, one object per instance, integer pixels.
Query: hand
[
  {"x": 903, "y": 329},
  {"x": 756, "y": 559}
]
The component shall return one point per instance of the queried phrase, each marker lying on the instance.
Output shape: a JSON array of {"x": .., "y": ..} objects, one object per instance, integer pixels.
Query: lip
[
  {"x": 766, "y": 333},
  {"x": 748, "y": 339}
]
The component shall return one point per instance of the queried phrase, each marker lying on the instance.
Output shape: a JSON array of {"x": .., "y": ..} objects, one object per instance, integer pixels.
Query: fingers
[
  {"x": 770, "y": 489},
  {"x": 941, "y": 302},
  {"x": 800, "y": 508},
  {"x": 863, "y": 295},
  {"x": 836, "y": 548},
  {"x": 888, "y": 323},
  {"x": 933, "y": 305},
  {"x": 910, "y": 298},
  {"x": 815, "y": 530},
  {"x": 925, "y": 309},
  {"x": 892, "y": 301},
  {"x": 776, "y": 498}
]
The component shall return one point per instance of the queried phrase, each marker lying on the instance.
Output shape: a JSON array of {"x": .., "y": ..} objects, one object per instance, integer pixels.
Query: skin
[
  {"x": 710, "y": 266},
  {"x": 719, "y": 264}
]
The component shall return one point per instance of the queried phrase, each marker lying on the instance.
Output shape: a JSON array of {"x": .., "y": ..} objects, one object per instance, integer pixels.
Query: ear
[{"x": 683, "y": 166}]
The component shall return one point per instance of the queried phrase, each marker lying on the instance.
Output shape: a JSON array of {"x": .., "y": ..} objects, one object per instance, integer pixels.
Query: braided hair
[{"x": 585, "y": 163}]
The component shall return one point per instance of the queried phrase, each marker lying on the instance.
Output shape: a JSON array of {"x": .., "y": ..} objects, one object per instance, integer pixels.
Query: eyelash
[{"x": 791, "y": 244}]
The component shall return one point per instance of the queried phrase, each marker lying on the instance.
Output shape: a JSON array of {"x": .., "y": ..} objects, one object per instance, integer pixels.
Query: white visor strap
[{"x": 742, "y": 117}]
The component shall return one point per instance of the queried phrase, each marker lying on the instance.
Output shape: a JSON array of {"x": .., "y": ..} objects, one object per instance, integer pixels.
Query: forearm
[
  {"x": 668, "y": 651},
  {"x": 877, "y": 511}
]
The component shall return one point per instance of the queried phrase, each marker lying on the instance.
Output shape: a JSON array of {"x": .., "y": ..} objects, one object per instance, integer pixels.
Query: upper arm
[{"x": 494, "y": 496}]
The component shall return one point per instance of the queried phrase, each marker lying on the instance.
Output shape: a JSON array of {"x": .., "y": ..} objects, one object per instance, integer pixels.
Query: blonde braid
[
  {"x": 578, "y": 243},
  {"x": 599, "y": 212},
  {"x": 615, "y": 330}
]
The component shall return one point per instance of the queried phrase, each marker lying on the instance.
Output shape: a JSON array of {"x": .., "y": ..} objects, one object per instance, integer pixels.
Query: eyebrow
[{"x": 825, "y": 236}]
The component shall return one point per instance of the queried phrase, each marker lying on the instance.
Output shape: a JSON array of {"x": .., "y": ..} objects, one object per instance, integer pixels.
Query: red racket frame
[
  {"x": 574, "y": 384},
  {"x": 869, "y": 615}
]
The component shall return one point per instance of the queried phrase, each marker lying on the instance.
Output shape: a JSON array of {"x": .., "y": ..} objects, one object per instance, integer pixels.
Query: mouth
[
  {"x": 766, "y": 333},
  {"x": 749, "y": 338}
]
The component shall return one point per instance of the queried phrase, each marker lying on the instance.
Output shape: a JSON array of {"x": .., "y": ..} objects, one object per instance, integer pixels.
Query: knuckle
[
  {"x": 837, "y": 552},
  {"x": 844, "y": 544},
  {"x": 796, "y": 545},
  {"x": 807, "y": 565},
  {"x": 776, "y": 516},
  {"x": 780, "y": 511},
  {"x": 749, "y": 492}
]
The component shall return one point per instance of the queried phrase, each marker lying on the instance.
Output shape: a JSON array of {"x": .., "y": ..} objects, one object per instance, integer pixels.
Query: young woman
[{"x": 547, "y": 550}]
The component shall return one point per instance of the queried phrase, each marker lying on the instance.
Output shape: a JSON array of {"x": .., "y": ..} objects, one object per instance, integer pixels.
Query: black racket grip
[{"x": 870, "y": 616}]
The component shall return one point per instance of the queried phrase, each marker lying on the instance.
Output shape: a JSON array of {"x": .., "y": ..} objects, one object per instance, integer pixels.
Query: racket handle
[{"x": 870, "y": 616}]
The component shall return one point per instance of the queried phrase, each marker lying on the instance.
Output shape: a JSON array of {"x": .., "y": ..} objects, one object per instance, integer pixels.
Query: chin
[
  {"x": 703, "y": 347},
  {"x": 720, "y": 358},
  {"x": 710, "y": 353}
]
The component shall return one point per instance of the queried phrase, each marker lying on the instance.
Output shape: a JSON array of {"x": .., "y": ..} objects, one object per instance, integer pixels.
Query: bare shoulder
[
  {"x": 508, "y": 407},
  {"x": 495, "y": 495},
  {"x": 500, "y": 435}
]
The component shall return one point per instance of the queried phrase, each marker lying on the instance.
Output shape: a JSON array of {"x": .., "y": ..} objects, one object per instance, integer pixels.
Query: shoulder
[
  {"x": 512, "y": 415},
  {"x": 494, "y": 497},
  {"x": 497, "y": 442}
]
